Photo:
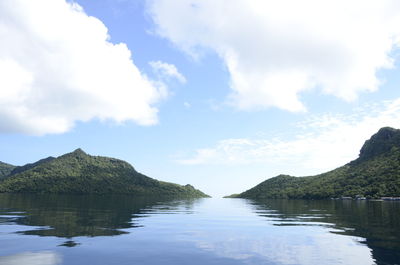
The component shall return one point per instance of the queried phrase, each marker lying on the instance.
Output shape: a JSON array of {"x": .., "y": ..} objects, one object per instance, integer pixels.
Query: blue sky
[{"x": 219, "y": 94}]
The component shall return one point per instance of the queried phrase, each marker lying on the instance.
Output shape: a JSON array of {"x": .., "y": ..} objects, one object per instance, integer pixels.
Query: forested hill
[
  {"x": 80, "y": 173},
  {"x": 374, "y": 174},
  {"x": 5, "y": 169}
]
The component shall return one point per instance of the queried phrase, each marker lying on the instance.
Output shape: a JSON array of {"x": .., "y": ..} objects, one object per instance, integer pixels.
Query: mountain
[
  {"x": 5, "y": 169},
  {"x": 374, "y": 174},
  {"x": 80, "y": 173}
]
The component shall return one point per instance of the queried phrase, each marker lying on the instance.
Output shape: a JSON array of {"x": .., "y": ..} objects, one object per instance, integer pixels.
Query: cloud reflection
[
  {"x": 291, "y": 246},
  {"x": 32, "y": 258}
]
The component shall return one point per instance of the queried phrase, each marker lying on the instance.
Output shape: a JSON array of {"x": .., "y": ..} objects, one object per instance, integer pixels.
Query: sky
[{"x": 221, "y": 94}]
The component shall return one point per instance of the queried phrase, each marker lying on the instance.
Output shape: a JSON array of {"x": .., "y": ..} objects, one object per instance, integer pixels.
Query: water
[{"x": 49, "y": 230}]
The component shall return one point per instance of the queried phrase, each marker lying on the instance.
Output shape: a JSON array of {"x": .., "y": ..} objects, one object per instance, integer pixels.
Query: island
[
  {"x": 375, "y": 174},
  {"x": 80, "y": 173}
]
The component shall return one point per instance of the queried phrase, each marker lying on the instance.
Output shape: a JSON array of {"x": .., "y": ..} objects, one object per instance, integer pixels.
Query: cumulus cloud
[
  {"x": 322, "y": 143},
  {"x": 274, "y": 50},
  {"x": 166, "y": 71},
  {"x": 58, "y": 66}
]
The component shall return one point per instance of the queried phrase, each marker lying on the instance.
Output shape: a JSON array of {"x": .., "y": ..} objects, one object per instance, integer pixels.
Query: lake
[{"x": 61, "y": 229}]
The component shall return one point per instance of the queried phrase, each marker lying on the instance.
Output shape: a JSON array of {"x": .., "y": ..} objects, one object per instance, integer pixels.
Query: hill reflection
[
  {"x": 70, "y": 216},
  {"x": 377, "y": 223}
]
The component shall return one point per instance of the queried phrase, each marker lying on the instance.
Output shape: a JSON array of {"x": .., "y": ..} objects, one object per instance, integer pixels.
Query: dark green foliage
[
  {"x": 375, "y": 174},
  {"x": 17, "y": 170},
  {"x": 5, "y": 169},
  {"x": 79, "y": 173}
]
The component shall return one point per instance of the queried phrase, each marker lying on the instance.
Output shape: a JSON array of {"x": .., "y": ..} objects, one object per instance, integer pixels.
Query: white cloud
[
  {"x": 274, "y": 50},
  {"x": 321, "y": 143},
  {"x": 58, "y": 66},
  {"x": 166, "y": 70}
]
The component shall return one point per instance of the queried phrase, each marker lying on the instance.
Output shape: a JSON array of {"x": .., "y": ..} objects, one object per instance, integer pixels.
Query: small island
[
  {"x": 375, "y": 174},
  {"x": 80, "y": 173}
]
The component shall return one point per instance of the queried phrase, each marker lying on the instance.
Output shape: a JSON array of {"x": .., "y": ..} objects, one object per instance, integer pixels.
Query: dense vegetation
[
  {"x": 17, "y": 170},
  {"x": 5, "y": 169},
  {"x": 375, "y": 174},
  {"x": 80, "y": 173}
]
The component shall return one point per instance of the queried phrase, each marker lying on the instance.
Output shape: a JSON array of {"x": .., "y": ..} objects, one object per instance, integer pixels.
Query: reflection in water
[
  {"x": 32, "y": 258},
  {"x": 69, "y": 243},
  {"x": 108, "y": 230},
  {"x": 376, "y": 223},
  {"x": 252, "y": 240},
  {"x": 71, "y": 216}
]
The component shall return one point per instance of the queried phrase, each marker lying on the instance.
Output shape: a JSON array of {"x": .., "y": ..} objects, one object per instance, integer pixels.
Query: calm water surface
[{"x": 49, "y": 230}]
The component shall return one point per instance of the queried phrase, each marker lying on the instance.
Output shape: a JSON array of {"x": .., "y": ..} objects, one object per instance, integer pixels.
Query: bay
[{"x": 79, "y": 229}]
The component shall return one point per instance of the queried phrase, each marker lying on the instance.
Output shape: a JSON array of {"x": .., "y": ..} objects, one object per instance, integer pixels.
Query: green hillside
[
  {"x": 80, "y": 173},
  {"x": 5, "y": 169},
  {"x": 20, "y": 169},
  {"x": 375, "y": 174}
]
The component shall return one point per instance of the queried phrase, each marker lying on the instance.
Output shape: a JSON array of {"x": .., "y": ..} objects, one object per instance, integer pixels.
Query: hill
[
  {"x": 80, "y": 173},
  {"x": 374, "y": 174},
  {"x": 20, "y": 169},
  {"x": 5, "y": 169}
]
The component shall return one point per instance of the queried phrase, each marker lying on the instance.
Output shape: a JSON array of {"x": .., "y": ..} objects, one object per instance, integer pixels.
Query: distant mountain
[
  {"x": 5, "y": 169},
  {"x": 374, "y": 174},
  {"x": 80, "y": 173}
]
